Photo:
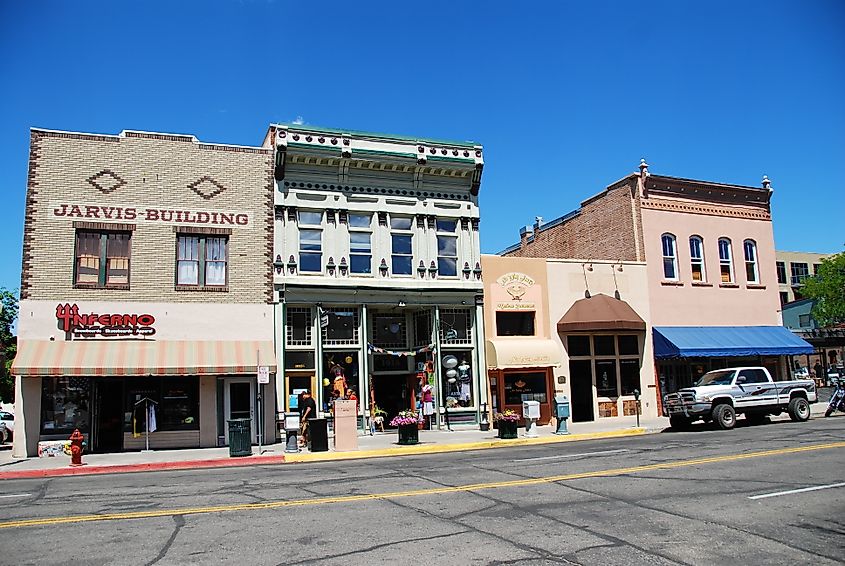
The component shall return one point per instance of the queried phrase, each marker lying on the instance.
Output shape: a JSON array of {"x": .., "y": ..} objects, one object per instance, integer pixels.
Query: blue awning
[{"x": 726, "y": 341}]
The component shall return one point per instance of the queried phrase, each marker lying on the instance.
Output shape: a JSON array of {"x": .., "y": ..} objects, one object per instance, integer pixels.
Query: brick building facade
[
  {"x": 709, "y": 254},
  {"x": 147, "y": 273}
]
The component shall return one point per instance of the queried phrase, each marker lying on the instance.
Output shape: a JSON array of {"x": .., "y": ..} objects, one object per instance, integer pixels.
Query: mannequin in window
[
  {"x": 464, "y": 380},
  {"x": 339, "y": 380}
]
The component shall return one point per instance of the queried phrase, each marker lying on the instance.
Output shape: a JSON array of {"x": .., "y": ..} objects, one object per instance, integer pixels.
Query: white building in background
[{"x": 377, "y": 269}]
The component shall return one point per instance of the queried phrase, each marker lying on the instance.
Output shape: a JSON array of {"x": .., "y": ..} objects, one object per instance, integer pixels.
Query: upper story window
[
  {"x": 749, "y": 248},
  {"x": 360, "y": 243},
  {"x": 102, "y": 259},
  {"x": 520, "y": 323},
  {"x": 781, "y": 272},
  {"x": 670, "y": 257},
  {"x": 696, "y": 254},
  {"x": 310, "y": 241},
  {"x": 799, "y": 272},
  {"x": 447, "y": 247},
  {"x": 201, "y": 260},
  {"x": 726, "y": 266},
  {"x": 401, "y": 250},
  {"x": 816, "y": 267},
  {"x": 298, "y": 326}
]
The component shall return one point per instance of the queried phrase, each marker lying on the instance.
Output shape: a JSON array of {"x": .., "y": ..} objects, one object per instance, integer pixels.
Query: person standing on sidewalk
[{"x": 307, "y": 410}]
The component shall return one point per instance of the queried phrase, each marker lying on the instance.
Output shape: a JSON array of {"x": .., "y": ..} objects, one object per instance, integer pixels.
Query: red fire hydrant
[{"x": 76, "y": 446}]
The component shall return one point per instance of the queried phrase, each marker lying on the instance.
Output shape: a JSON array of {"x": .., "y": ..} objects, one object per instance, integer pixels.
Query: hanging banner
[{"x": 377, "y": 350}]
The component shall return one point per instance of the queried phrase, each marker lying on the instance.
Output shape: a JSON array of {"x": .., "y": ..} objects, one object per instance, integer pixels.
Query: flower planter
[
  {"x": 507, "y": 429},
  {"x": 409, "y": 434}
]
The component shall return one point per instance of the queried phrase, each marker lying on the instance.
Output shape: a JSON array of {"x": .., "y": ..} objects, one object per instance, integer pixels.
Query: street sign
[{"x": 263, "y": 374}]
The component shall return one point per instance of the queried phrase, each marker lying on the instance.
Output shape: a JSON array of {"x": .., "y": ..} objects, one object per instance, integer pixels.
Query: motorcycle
[{"x": 837, "y": 398}]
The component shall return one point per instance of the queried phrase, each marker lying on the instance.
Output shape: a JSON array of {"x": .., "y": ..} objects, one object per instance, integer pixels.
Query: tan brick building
[{"x": 147, "y": 273}]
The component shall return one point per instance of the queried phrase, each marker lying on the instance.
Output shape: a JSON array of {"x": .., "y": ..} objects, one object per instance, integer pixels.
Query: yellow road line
[{"x": 414, "y": 493}]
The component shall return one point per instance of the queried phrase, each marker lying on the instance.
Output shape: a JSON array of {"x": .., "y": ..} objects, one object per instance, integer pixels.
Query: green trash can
[{"x": 240, "y": 437}]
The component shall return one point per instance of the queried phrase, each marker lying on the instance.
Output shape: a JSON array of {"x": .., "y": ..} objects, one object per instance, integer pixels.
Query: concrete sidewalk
[
  {"x": 381, "y": 444},
  {"x": 378, "y": 445}
]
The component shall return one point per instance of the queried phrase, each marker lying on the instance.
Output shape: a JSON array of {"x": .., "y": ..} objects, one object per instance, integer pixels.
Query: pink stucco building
[{"x": 710, "y": 260}]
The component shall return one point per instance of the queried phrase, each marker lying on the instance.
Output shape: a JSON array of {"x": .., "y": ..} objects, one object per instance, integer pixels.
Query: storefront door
[
  {"x": 581, "y": 387},
  {"x": 107, "y": 417},
  {"x": 240, "y": 403},
  {"x": 526, "y": 385}
]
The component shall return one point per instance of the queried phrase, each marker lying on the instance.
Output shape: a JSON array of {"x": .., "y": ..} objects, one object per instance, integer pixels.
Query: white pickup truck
[{"x": 721, "y": 395}]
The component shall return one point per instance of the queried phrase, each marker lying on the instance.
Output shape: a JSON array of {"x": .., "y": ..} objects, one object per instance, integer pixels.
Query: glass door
[{"x": 240, "y": 403}]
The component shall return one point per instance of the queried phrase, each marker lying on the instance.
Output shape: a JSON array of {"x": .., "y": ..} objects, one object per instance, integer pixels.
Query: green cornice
[{"x": 374, "y": 136}]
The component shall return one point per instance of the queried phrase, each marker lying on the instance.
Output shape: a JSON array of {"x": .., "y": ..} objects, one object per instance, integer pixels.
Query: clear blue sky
[{"x": 565, "y": 96}]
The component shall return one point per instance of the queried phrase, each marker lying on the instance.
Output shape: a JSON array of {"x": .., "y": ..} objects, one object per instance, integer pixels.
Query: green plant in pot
[{"x": 507, "y": 422}]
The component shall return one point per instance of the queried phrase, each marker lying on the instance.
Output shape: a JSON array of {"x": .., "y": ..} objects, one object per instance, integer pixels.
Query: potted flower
[
  {"x": 507, "y": 421},
  {"x": 406, "y": 421}
]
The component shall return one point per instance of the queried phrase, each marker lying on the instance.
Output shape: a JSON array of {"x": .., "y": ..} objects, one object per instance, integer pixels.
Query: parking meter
[{"x": 637, "y": 399}]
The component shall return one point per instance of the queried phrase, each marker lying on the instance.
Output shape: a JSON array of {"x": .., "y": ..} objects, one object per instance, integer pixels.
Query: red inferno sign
[{"x": 108, "y": 325}]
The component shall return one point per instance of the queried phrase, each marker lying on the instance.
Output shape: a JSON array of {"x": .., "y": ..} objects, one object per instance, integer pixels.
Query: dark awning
[
  {"x": 600, "y": 313},
  {"x": 726, "y": 341}
]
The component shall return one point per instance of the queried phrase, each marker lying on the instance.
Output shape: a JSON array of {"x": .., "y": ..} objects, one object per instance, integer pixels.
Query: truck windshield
[{"x": 719, "y": 377}]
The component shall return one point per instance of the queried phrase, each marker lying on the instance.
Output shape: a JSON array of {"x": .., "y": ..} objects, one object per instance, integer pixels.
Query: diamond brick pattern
[
  {"x": 106, "y": 181},
  {"x": 206, "y": 187}
]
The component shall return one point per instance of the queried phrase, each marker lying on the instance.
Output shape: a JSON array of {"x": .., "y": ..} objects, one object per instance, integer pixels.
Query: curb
[
  {"x": 462, "y": 447},
  {"x": 314, "y": 457},
  {"x": 146, "y": 467}
]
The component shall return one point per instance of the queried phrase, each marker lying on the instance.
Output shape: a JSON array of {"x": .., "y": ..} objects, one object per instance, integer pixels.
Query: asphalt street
[{"x": 770, "y": 494}]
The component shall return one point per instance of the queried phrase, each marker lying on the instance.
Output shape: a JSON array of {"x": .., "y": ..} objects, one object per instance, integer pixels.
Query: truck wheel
[
  {"x": 4, "y": 435},
  {"x": 724, "y": 416},
  {"x": 799, "y": 409},
  {"x": 679, "y": 422}
]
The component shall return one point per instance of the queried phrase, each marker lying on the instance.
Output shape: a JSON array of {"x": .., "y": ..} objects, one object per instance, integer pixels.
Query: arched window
[
  {"x": 726, "y": 265},
  {"x": 696, "y": 255},
  {"x": 752, "y": 274},
  {"x": 670, "y": 257}
]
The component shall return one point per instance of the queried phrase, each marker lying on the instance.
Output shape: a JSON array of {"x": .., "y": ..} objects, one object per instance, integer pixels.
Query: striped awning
[{"x": 141, "y": 357}]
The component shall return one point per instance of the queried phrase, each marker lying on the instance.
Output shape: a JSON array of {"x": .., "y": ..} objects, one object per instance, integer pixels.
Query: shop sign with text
[
  {"x": 106, "y": 325},
  {"x": 139, "y": 214}
]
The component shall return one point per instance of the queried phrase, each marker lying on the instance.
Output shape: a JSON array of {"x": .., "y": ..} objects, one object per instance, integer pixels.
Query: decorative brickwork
[
  {"x": 155, "y": 170},
  {"x": 106, "y": 181},
  {"x": 206, "y": 187}
]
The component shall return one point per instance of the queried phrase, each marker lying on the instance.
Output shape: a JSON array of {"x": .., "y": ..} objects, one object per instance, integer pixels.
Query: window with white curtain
[
  {"x": 670, "y": 257},
  {"x": 696, "y": 254},
  {"x": 201, "y": 261},
  {"x": 726, "y": 265},
  {"x": 752, "y": 274}
]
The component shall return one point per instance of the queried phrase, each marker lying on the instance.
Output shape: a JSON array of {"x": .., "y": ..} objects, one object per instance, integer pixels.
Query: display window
[
  {"x": 457, "y": 382},
  {"x": 525, "y": 386},
  {"x": 177, "y": 401},
  {"x": 340, "y": 377},
  {"x": 65, "y": 405}
]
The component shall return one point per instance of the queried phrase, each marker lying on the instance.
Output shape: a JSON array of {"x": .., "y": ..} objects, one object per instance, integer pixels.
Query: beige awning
[
  {"x": 141, "y": 357},
  {"x": 505, "y": 353},
  {"x": 600, "y": 313}
]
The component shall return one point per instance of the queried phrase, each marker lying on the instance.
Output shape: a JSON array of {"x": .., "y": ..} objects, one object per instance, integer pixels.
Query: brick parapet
[{"x": 157, "y": 171}]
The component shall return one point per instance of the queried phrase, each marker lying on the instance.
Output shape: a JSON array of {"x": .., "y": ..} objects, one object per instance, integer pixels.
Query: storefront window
[
  {"x": 578, "y": 345},
  {"x": 629, "y": 373},
  {"x": 521, "y": 387},
  {"x": 65, "y": 405},
  {"x": 341, "y": 375},
  {"x": 342, "y": 326},
  {"x": 606, "y": 378},
  {"x": 457, "y": 378},
  {"x": 177, "y": 405}
]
